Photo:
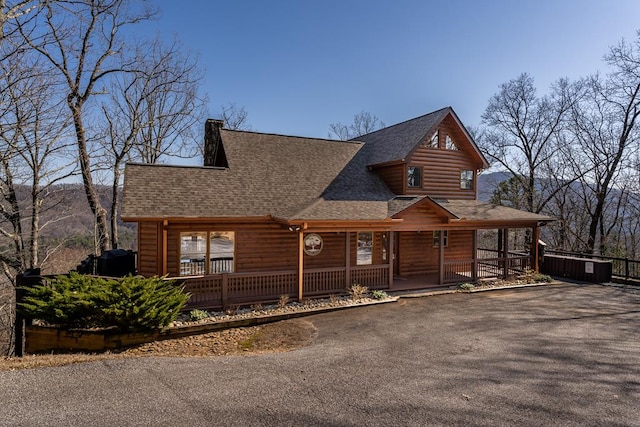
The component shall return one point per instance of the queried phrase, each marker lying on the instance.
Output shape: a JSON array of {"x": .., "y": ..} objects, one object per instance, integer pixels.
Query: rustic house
[{"x": 269, "y": 215}]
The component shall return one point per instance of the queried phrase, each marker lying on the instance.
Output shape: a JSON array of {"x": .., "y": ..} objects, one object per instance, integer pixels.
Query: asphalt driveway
[{"x": 554, "y": 355}]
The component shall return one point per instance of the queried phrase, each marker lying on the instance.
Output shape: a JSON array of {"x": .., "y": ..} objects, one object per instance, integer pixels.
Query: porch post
[
  {"x": 441, "y": 258},
  {"x": 505, "y": 250},
  {"x": 300, "y": 264},
  {"x": 165, "y": 224},
  {"x": 535, "y": 253},
  {"x": 475, "y": 256},
  {"x": 390, "y": 256},
  {"x": 347, "y": 261}
]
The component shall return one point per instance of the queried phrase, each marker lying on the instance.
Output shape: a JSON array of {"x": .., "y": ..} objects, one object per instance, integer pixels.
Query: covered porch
[{"x": 382, "y": 251}]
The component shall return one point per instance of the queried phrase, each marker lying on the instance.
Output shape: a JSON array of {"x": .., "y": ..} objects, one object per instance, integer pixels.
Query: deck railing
[
  {"x": 622, "y": 268},
  {"x": 221, "y": 290},
  {"x": 487, "y": 265}
]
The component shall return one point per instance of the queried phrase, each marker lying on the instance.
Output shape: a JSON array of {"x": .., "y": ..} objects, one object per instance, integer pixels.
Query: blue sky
[{"x": 297, "y": 66}]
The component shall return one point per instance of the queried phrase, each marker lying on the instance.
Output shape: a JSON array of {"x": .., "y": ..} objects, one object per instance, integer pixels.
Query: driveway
[{"x": 554, "y": 355}]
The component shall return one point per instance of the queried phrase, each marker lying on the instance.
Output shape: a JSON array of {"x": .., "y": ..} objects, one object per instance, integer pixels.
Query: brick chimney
[{"x": 213, "y": 151}]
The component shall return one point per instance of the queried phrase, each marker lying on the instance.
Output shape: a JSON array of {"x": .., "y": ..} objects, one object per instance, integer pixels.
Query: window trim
[
  {"x": 358, "y": 247},
  {"x": 470, "y": 181},
  {"x": 436, "y": 238},
  {"x": 421, "y": 179},
  {"x": 207, "y": 253}
]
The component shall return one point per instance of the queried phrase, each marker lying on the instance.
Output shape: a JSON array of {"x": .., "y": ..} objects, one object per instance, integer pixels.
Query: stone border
[{"x": 44, "y": 339}]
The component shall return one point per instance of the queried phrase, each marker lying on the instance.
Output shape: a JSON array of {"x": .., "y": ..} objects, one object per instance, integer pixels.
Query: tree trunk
[
  {"x": 115, "y": 192},
  {"x": 102, "y": 228}
]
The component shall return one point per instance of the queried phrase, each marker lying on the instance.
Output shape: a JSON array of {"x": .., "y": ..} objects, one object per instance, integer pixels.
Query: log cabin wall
[
  {"x": 394, "y": 176},
  {"x": 333, "y": 252},
  {"x": 259, "y": 246},
  {"x": 420, "y": 217},
  {"x": 417, "y": 255},
  {"x": 149, "y": 248},
  {"x": 441, "y": 168},
  {"x": 459, "y": 245}
]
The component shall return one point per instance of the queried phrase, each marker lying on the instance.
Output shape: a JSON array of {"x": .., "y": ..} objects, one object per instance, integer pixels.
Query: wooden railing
[
  {"x": 456, "y": 271},
  {"x": 221, "y": 290},
  {"x": 195, "y": 267},
  {"x": 371, "y": 276},
  {"x": 622, "y": 268}
]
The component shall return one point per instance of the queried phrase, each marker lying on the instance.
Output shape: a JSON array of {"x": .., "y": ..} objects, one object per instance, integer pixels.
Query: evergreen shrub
[{"x": 131, "y": 303}]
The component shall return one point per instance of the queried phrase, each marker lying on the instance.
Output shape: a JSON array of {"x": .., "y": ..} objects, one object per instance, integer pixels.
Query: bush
[
  {"x": 131, "y": 303},
  {"x": 467, "y": 286},
  {"x": 379, "y": 295},
  {"x": 357, "y": 291},
  {"x": 197, "y": 314},
  {"x": 540, "y": 278}
]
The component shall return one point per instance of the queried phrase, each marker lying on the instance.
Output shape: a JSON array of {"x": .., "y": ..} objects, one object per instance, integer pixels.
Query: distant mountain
[{"x": 488, "y": 182}]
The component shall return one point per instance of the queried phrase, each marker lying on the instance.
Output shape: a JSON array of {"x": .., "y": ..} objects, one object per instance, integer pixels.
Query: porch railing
[
  {"x": 220, "y": 290},
  {"x": 487, "y": 266}
]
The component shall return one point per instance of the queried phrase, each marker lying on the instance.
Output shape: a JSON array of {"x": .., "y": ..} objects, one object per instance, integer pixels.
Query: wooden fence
[{"x": 625, "y": 269}]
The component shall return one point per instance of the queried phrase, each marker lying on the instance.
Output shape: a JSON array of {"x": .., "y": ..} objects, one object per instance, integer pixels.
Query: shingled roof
[
  {"x": 268, "y": 175},
  {"x": 296, "y": 179}
]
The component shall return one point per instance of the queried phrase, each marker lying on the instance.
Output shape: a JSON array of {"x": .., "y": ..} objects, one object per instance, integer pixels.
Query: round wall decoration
[{"x": 312, "y": 244}]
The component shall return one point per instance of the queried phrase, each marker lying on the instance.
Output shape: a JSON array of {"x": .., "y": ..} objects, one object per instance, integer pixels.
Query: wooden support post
[
  {"x": 30, "y": 277},
  {"x": 535, "y": 252},
  {"x": 225, "y": 290},
  {"x": 347, "y": 261},
  {"x": 165, "y": 223},
  {"x": 441, "y": 257},
  {"x": 300, "y": 264},
  {"x": 390, "y": 255},
  {"x": 474, "y": 273},
  {"x": 505, "y": 249}
]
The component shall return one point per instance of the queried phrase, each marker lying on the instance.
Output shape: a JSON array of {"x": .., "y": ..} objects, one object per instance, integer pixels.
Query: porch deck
[{"x": 410, "y": 283}]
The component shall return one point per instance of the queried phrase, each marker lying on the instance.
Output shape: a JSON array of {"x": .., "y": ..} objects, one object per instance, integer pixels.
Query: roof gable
[{"x": 399, "y": 142}]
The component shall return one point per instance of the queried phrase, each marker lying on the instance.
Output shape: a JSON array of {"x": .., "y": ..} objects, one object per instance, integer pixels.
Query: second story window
[
  {"x": 449, "y": 144},
  {"x": 466, "y": 180},
  {"x": 414, "y": 177}
]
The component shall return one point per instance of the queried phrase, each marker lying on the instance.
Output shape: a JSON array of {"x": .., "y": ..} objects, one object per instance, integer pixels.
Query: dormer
[{"x": 434, "y": 156}]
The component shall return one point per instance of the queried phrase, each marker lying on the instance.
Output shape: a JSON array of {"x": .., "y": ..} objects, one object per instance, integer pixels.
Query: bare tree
[
  {"x": 523, "y": 131},
  {"x": 150, "y": 113},
  {"x": 32, "y": 154},
  {"x": 15, "y": 10},
  {"x": 606, "y": 138},
  {"x": 83, "y": 41},
  {"x": 234, "y": 117},
  {"x": 363, "y": 123},
  {"x": 172, "y": 106}
]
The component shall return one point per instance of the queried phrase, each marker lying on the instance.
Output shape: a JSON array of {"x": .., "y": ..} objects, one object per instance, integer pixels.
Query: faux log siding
[
  {"x": 149, "y": 242},
  {"x": 394, "y": 177},
  {"x": 333, "y": 252},
  {"x": 420, "y": 217},
  {"x": 460, "y": 245},
  {"x": 441, "y": 172},
  {"x": 259, "y": 246},
  {"x": 417, "y": 254},
  {"x": 269, "y": 249}
]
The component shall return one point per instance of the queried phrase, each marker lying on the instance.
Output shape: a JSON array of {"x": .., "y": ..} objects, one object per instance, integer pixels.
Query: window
[
  {"x": 466, "y": 180},
  {"x": 449, "y": 144},
  {"x": 194, "y": 252},
  {"x": 365, "y": 248},
  {"x": 436, "y": 238},
  {"x": 433, "y": 141},
  {"x": 414, "y": 177}
]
